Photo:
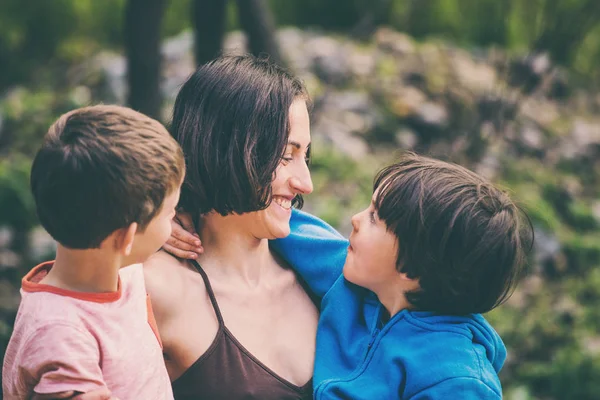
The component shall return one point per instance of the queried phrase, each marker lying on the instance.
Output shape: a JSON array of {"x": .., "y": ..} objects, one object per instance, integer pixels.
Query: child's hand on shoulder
[{"x": 184, "y": 241}]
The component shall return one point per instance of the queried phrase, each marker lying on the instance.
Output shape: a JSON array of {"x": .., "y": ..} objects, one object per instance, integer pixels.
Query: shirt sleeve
[
  {"x": 315, "y": 250},
  {"x": 60, "y": 357},
  {"x": 465, "y": 388}
]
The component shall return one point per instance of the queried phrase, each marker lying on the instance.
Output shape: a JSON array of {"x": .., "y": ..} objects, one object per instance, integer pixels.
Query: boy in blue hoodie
[{"x": 401, "y": 301}]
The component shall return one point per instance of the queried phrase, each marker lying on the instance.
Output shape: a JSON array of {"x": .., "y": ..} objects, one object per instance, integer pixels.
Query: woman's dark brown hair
[
  {"x": 231, "y": 118},
  {"x": 464, "y": 239}
]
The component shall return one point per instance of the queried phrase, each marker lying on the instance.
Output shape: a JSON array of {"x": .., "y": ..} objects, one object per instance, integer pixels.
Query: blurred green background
[{"x": 505, "y": 87}]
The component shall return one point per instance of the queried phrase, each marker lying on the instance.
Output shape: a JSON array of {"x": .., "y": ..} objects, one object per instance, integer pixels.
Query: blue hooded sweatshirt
[{"x": 414, "y": 355}]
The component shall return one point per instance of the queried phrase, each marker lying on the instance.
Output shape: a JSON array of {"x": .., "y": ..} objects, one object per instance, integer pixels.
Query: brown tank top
[{"x": 228, "y": 371}]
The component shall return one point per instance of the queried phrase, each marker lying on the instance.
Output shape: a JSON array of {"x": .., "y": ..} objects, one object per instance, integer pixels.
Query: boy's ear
[
  {"x": 125, "y": 238},
  {"x": 410, "y": 283}
]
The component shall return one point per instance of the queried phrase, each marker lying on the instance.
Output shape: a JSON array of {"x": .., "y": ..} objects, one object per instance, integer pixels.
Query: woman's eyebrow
[{"x": 297, "y": 145}]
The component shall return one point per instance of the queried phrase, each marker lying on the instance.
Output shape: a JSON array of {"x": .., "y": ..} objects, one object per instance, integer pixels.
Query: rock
[
  {"x": 9, "y": 259},
  {"x": 81, "y": 96},
  {"x": 235, "y": 43},
  {"x": 178, "y": 64},
  {"x": 395, "y": 42},
  {"x": 9, "y": 296},
  {"x": 343, "y": 116},
  {"x": 436, "y": 66},
  {"x": 406, "y": 101},
  {"x": 433, "y": 114},
  {"x": 543, "y": 112},
  {"x": 337, "y": 134},
  {"x": 559, "y": 87},
  {"x": 292, "y": 44},
  {"x": 329, "y": 60},
  {"x": 177, "y": 48},
  {"x": 596, "y": 210},
  {"x": 540, "y": 63},
  {"x": 1, "y": 126},
  {"x": 41, "y": 244},
  {"x": 105, "y": 75},
  {"x": 362, "y": 63},
  {"x": 592, "y": 345},
  {"x": 585, "y": 135},
  {"x": 489, "y": 165},
  {"x": 532, "y": 138},
  {"x": 547, "y": 250},
  {"x": 406, "y": 138},
  {"x": 474, "y": 76},
  {"x": 6, "y": 236},
  {"x": 527, "y": 72}
]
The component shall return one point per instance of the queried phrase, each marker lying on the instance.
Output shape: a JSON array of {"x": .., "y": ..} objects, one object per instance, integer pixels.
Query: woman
[{"x": 237, "y": 322}]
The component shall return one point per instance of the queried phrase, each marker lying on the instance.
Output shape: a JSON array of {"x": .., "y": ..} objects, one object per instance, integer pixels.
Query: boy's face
[
  {"x": 372, "y": 254},
  {"x": 157, "y": 232}
]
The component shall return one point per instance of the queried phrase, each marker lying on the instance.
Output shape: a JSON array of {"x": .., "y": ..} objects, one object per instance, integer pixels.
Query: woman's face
[{"x": 292, "y": 178}]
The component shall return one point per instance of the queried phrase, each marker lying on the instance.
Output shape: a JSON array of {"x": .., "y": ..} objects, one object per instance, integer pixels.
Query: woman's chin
[{"x": 281, "y": 231}]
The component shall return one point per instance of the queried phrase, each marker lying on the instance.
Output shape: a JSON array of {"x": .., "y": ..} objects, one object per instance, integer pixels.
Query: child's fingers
[
  {"x": 186, "y": 222},
  {"x": 181, "y": 245},
  {"x": 179, "y": 233},
  {"x": 188, "y": 255}
]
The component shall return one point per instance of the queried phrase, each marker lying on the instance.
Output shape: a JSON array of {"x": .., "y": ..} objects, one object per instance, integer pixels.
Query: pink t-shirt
[{"x": 64, "y": 340}]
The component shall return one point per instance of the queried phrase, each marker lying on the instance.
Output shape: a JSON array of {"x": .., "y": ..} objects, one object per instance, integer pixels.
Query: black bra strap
[{"x": 211, "y": 294}]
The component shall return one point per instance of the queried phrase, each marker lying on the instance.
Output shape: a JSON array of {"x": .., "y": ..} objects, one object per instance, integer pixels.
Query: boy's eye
[{"x": 372, "y": 215}]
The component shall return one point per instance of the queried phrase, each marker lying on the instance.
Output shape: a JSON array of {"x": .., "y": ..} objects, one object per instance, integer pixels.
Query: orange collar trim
[{"x": 30, "y": 284}]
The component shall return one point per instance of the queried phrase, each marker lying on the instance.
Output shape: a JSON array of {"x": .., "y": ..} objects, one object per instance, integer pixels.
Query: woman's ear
[{"x": 124, "y": 240}]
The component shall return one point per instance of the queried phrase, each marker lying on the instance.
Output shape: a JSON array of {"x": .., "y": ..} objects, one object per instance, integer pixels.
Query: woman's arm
[{"x": 315, "y": 250}]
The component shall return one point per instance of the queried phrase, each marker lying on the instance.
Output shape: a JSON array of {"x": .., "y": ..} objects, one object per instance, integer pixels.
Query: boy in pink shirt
[{"x": 106, "y": 183}]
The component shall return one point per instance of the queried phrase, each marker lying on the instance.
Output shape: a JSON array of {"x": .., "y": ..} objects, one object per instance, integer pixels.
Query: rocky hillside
[{"x": 514, "y": 119}]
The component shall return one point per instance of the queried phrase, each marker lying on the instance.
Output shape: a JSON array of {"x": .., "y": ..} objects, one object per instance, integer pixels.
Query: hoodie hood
[{"x": 474, "y": 326}]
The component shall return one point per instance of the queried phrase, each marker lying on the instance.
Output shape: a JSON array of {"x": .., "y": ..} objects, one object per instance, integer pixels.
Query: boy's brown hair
[
  {"x": 464, "y": 239},
  {"x": 100, "y": 169}
]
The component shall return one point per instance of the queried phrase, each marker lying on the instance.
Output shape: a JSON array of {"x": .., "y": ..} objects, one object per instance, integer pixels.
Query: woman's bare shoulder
[{"x": 165, "y": 278}]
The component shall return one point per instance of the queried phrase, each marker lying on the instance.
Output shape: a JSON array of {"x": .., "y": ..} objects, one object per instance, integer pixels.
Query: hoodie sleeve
[
  {"x": 465, "y": 388},
  {"x": 315, "y": 250}
]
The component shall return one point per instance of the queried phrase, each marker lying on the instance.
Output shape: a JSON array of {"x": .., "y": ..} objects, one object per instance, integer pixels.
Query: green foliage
[
  {"x": 549, "y": 326},
  {"x": 346, "y": 185},
  {"x": 33, "y": 32},
  {"x": 17, "y": 208}
]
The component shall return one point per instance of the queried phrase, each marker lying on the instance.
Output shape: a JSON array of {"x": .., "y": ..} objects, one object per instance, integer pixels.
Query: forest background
[{"x": 508, "y": 88}]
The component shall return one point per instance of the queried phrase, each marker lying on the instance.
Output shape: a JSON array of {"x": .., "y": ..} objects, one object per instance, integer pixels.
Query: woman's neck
[{"x": 231, "y": 251}]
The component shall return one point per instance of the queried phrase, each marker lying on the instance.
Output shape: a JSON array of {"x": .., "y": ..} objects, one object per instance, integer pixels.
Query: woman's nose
[
  {"x": 301, "y": 181},
  {"x": 354, "y": 221}
]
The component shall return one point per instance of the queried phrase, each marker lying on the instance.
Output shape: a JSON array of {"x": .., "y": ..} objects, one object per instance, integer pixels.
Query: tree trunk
[
  {"x": 256, "y": 20},
  {"x": 209, "y": 18},
  {"x": 142, "y": 44}
]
